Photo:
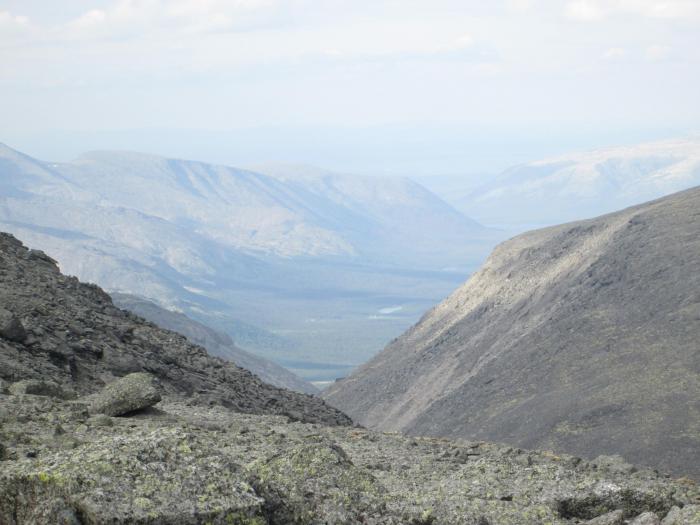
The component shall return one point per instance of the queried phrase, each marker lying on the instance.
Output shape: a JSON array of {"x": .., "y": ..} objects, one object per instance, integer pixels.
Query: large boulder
[
  {"x": 688, "y": 515},
  {"x": 616, "y": 517},
  {"x": 39, "y": 388},
  {"x": 316, "y": 480},
  {"x": 11, "y": 327},
  {"x": 648, "y": 518},
  {"x": 132, "y": 392}
]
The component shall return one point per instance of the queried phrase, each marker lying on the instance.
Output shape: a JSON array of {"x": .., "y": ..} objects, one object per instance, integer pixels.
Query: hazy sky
[{"x": 375, "y": 86}]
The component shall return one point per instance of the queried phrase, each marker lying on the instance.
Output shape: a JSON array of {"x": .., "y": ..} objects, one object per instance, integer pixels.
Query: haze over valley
[
  {"x": 311, "y": 269},
  {"x": 314, "y": 270}
]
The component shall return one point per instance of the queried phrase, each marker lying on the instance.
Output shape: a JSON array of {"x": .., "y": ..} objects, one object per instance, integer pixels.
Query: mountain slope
[
  {"x": 54, "y": 327},
  {"x": 582, "y": 185},
  {"x": 582, "y": 337},
  {"x": 317, "y": 214},
  {"x": 216, "y": 343}
]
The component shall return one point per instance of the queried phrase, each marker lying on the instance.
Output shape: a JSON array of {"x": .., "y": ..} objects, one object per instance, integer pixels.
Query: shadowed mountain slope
[
  {"x": 216, "y": 343},
  {"x": 55, "y": 327},
  {"x": 583, "y": 338}
]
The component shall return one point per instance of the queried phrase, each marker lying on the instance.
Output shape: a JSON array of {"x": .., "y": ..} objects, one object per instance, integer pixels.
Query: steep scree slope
[
  {"x": 73, "y": 334},
  {"x": 583, "y": 338}
]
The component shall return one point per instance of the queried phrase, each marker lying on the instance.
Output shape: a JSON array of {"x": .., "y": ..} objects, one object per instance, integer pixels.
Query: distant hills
[
  {"x": 582, "y": 338},
  {"x": 296, "y": 267},
  {"x": 578, "y": 185}
]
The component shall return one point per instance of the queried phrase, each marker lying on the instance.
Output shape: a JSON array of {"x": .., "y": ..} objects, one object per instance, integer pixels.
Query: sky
[{"x": 406, "y": 87}]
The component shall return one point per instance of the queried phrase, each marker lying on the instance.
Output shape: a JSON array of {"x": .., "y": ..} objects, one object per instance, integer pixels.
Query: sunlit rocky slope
[{"x": 582, "y": 338}]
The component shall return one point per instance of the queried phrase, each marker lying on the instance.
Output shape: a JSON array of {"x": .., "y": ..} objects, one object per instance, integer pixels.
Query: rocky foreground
[{"x": 63, "y": 461}]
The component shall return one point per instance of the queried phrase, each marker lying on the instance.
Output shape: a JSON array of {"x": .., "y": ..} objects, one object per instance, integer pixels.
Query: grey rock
[
  {"x": 11, "y": 327},
  {"x": 81, "y": 341},
  {"x": 187, "y": 464},
  {"x": 580, "y": 338},
  {"x": 615, "y": 462},
  {"x": 615, "y": 517},
  {"x": 688, "y": 515},
  {"x": 37, "y": 388},
  {"x": 100, "y": 420},
  {"x": 648, "y": 518},
  {"x": 130, "y": 393}
]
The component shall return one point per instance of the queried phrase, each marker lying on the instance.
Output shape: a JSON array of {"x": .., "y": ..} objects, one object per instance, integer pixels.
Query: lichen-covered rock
[
  {"x": 614, "y": 462},
  {"x": 39, "y": 388},
  {"x": 132, "y": 392},
  {"x": 188, "y": 464},
  {"x": 11, "y": 327},
  {"x": 100, "y": 420},
  {"x": 648, "y": 518},
  {"x": 590, "y": 500},
  {"x": 688, "y": 515},
  {"x": 158, "y": 477},
  {"x": 615, "y": 517},
  {"x": 316, "y": 483}
]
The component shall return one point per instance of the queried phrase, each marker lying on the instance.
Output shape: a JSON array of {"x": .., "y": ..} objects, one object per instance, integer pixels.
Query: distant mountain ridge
[
  {"x": 273, "y": 261},
  {"x": 320, "y": 214},
  {"x": 579, "y": 185},
  {"x": 583, "y": 338}
]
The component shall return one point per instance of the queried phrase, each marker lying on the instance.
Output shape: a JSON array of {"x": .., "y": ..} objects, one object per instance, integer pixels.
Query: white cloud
[
  {"x": 590, "y": 10},
  {"x": 657, "y": 52},
  {"x": 7, "y": 19},
  {"x": 14, "y": 29},
  {"x": 214, "y": 62},
  {"x": 90, "y": 19},
  {"x": 661, "y": 8},
  {"x": 584, "y": 10},
  {"x": 520, "y": 5},
  {"x": 460, "y": 43},
  {"x": 125, "y": 17},
  {"x": 615, "y": 53}
]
